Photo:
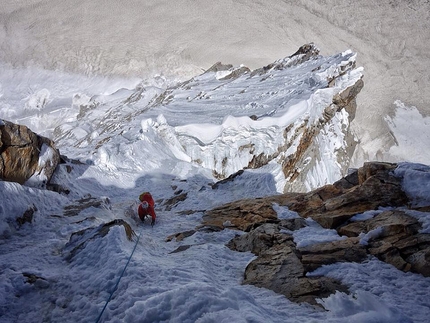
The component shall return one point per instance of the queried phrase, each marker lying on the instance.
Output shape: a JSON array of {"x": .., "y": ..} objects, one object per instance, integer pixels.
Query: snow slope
[
  {"x": 126, "y": 149},
  {"x": 67, "y": 71},
  {"x": 200, "y": 284}
]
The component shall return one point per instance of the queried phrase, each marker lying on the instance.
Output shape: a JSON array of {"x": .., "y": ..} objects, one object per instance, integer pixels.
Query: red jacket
[
  {"x": 147, "y": 197},
  {"x": 149, "y": 210},
  {"x": 146, "y": 211}
]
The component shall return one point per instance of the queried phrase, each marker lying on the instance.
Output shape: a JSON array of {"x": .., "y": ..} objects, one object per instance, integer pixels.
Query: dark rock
[
  {"x": 280, "y": 269},
  {"x": 374, "y": 168},
  {"x": 27, "y": 217},
  {"x": 420, "y": 262},
  {"x": 180, "y": 236},
  {"x": 393, "y": 222},
  {"x": 260, "y": 240},
  {"x": 333, "y": 205},
  {"x": 82, "y": 204},
  {"x": 242, "y": 215},
  {"x": 292, "y": 224},
  {"x": 347, "y": 250},
  {"x": 228, "y": 179},
  {"x": 172, "y": 202},
  {"x": 181, "y": 248},
  {"x": 78, "y": 240},
  {"x": 24, "y": 155},
  {"x": 392, "y": 236},
  {"x": 36, "y": 280}
]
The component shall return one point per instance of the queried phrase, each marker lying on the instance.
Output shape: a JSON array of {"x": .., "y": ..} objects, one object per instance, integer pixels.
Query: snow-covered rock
[{"x": 289, "y": 249}]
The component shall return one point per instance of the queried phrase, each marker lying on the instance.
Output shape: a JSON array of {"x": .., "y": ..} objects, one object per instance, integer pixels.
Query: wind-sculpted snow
[
  {"x": 222, "y": 121},
  {"x": 236, "y": 120}
]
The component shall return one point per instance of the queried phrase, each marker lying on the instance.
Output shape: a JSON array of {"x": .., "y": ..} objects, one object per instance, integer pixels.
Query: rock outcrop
[
  {"x": 392, "y": 234},
  {"x": 26, "y": 157},
  {"x": 334, "y": 204},
  {"x": 79, "y": 240}
]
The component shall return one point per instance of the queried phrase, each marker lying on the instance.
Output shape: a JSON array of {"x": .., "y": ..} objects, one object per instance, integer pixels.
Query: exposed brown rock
[
  {"x": 181, "y": 248},
  {"x": 282, "y": 266},
  {"x": 20, "y": 149},
  {"x": 420, "y": 262},
  {"x": 393, "y": 222},
  {"x": 332, "y": 205},
  {"x": 371, "y": 169},
  {"x": 179, "y": 196},
  {"x": 296, "y": 165},
  {"x": 228, "y": 179},
  {"x": 180, "y": 236},
  {"x": 289, "y": 166},
  {"x": 82, "y": 204},
  {"x": 303, "y": 54},
  {"x": 260, "y": 239},
  {"x": 277, "y": 269},
  {"x": 218, "y": 66},
  {"x": 279, "y": 266},
  {"x": 348, "y": 250},
  {"x": 347, "y": 98},
  {"x": 242, "y": 215},
  {"x": 399, "y": 242}
]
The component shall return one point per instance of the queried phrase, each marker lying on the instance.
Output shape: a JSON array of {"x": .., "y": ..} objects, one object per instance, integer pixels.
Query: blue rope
[{"x": 117, "y": 283}]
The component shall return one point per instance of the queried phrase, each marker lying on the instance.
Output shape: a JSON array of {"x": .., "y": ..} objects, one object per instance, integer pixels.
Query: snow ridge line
[{"x": 119, "y": 279}]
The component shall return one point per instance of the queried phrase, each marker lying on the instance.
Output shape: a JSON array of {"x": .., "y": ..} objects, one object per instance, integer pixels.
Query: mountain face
[
  {"x": 135, "y": 40},
  {"x": 295, "y": 113},
  {"x": 290, "y": 118},
  {"x": 220, "y": 153}
]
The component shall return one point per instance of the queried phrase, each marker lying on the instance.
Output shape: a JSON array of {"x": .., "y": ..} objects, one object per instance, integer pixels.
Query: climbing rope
[{"x": 122, "y": 273}]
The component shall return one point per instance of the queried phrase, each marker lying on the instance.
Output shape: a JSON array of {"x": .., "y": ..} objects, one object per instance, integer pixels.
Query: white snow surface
[
  {"x": 416, "y": 182},
  {"x": 80, "y": 76},
  {"x": 314, "y": 233},
  {"x": 407, "y": 126},
  {"x": 200, "y": 284},
  {"x": 204, "y": 122}
]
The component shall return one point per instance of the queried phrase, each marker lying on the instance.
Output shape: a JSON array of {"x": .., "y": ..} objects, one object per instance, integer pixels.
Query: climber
[{"x": 146, "y": 207}]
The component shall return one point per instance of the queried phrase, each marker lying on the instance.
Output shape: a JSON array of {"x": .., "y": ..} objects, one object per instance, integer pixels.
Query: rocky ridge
[{"x": 391, "y": 232}]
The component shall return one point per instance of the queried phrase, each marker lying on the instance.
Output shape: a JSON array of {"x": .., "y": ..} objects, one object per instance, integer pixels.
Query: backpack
[{"x": 141, "y": 196}]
